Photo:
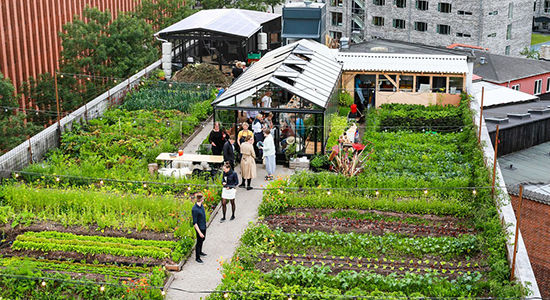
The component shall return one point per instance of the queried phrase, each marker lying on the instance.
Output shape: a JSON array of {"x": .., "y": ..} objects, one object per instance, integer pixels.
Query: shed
[
  {"x": 221, "y": 36},
  {"x": 304, "y": 80}
]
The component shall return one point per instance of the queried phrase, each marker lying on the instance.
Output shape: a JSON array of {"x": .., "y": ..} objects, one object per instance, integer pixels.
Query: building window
[
  {"x": 493, "y": 13},
  {"x": 337, "y": 35},
  {"x": 444, "y": 7},
  {"x": 511, "y": 10},
  {"x": 378, "y": 21},
  {"x": 420, "y": 26},
  {"x": 421, "y": 4},
  {"x": 398, "y": 23},
  {"x": 546, "y": 6},
  {"x": 456, "y": 85},
  {"x": 492, "y": 34},
  {"x": 400, "y": 3},
  {"x": 443, "y": 29},
  {"x": 548, "y": 84},
  {"x": 379, "y": 2},
  {"x": 336, "y": 19},
  {"x": 466, "y": 13},
  {"x": 337, "y": 2},
  {"x": 509, "y": 32},
  {"x": 516, "y": 87},
  {"x": 460, "y": 34},
  {"x": 507, "y": 50},
  {"x": 538, "y": 86}
]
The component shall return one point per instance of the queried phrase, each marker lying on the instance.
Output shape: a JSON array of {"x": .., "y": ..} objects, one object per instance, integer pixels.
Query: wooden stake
[
  {"x": 517, "y": 231},
  {"x": 495, "y": 164},
  {"x": 30, "y": 149},
  {"x": 481, "y": 113},
  {"x": 57, "y": 103}
]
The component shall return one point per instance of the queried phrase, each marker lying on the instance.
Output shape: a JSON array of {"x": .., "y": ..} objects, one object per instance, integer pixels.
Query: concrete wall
[
  {"x": 477, "y": 24},
  {"x": 34, "y": 149},
  {"x": 535, "y": 221},
  {"x": 523, "y": 272}
]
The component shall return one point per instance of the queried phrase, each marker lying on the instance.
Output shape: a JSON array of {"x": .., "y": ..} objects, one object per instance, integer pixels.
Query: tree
[
  {"x": 259, "y": 5},
  {"x": 6, "y": 92},
  {"x": 163, "y": 13},
  {"x": 530, "y": 53}
]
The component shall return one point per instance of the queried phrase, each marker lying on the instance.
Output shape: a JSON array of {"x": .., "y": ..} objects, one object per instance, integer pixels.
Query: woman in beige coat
[{"x": 248, "y": 163}]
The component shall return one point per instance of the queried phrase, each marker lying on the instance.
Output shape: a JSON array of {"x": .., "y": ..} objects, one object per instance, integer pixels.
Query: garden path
[{"x": 221, "y": 239}]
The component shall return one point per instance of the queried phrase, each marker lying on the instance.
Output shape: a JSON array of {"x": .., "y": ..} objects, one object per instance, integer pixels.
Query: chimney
[
  {"x": 482, "y": 60},
  {"x": 545, "y": 52}
]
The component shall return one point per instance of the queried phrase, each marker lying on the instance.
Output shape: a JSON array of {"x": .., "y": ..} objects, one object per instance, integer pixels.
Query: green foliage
[
  {"x": 48, "y": 241},
  {"x": 416, "y": 117},
  {"x": 337, "y": 126},
  {"x": 530, "y": 53},
  {"x": 345, "y": 99},
  {"x": 163, "y": 13},
  {"x": 243, "y": 4},
  {"x": 320, "y": 161},
  {"x": 176, "y": 96},
  {"x": 6, "y": 92}
]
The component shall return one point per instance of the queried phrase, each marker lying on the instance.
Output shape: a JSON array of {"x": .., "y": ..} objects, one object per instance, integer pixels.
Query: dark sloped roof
[
  {"x": 400, "y": 47},
  {"x": 503, "y": 68}
]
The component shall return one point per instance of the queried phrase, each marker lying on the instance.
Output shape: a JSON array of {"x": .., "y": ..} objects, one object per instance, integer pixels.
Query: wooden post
[
  {"x": 495, "y": 163},
  {"x": 57, "y": 103},
  {"x": 517, "y": 231},
  {"x": 30, "y": 149},
  {"x": 481, "y": 113}
]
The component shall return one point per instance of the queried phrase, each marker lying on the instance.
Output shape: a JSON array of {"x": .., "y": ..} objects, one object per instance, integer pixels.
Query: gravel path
[{"x": 221, "y": 238}]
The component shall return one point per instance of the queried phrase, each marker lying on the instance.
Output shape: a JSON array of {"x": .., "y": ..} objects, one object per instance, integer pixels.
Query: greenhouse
[{"x": 302, "y": 81}]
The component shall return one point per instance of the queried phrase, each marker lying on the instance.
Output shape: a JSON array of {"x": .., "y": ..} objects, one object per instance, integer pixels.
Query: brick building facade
[
  {"x": 29, "y": 40},
  {"x": 502, "y": 26},
  {"x": 535, "y": 230}
]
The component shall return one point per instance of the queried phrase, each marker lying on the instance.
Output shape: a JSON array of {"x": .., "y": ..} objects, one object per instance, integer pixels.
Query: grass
[{"x": 539, "y": 38}]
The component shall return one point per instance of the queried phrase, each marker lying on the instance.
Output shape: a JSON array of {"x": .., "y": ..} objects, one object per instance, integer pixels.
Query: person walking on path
[
  {"x": 248, "y": 163},
  {"x": 199, "y": 222},
  {"x": 216, "y": 139},
  {"x": 230, "y": 181},
  {"x": 269, "y": 154},
  {"x": 229, "y": 152}
]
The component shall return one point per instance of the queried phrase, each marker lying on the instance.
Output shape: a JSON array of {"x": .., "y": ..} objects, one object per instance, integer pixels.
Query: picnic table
[{"x": 169, "y": 158}]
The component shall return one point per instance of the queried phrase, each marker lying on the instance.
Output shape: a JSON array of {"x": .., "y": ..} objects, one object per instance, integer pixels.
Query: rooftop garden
[
  {"x": 90, "y": 221},
  {"x": 419, "y": 221}
]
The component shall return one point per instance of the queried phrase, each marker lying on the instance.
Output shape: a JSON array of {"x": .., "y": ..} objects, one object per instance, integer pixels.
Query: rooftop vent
[
  {"x": 344, "y": 43},
  {"x": 482, "y": 60},
  {"x": 308, "y": 3}
]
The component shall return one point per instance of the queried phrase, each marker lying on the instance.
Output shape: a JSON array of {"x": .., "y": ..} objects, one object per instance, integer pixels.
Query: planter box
[{"x": 298, "y": 165}]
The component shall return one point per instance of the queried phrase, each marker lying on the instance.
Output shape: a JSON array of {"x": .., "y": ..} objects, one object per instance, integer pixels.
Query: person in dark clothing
[
  {"x": 216, "y": 139},
  {"x": 230, "y": 181},
  {"x": 199, "y": 222},
  {"x": 237, "y": 70},
  {"x": 229, "y": 151}
]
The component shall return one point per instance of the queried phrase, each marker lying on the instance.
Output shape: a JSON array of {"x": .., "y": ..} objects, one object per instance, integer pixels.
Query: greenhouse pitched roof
[
  {"x": 237, "y": 22},
  {"x": 305, "y": 68}
]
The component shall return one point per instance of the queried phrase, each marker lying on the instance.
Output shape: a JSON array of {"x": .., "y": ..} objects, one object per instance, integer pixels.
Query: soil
[
  {"x": 269, "y": 262},
  {"x": 11, "y": 233},
  {"x": 320, "y": 220}
]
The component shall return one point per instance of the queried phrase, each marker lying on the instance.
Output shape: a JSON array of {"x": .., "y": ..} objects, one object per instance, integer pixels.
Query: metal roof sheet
[
  {"x": 314, "y": 83},
  {"x": 496, "y": 94},
  {"x": 385, "y": 62},
  {"x": 239, "y": 22}
]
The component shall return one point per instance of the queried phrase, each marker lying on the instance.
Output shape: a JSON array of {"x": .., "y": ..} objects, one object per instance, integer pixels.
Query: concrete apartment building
[{"x": 504, "y": 27}]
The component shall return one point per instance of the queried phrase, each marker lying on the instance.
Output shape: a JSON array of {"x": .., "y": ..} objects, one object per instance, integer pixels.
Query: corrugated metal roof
[
  {"x": 496, "y": 94},
  {"x": 384, "y": 62},
  {"x": 314, "y": 77},
  {"x": 239, "y": 22}
]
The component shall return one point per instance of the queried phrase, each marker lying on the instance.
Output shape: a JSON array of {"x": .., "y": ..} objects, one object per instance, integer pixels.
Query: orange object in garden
[
  {"x": 353, "y": 108},
  {"x": 180, "y": 152}
]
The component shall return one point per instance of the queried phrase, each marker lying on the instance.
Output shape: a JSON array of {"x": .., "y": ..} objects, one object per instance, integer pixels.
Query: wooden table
[{"x": 214, "y": 159}]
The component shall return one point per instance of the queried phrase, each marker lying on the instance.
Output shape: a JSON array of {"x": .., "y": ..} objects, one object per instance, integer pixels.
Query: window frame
[
  {"x": 375, "y": 18},
  {"x": 516, "y": 87},
  {"x": 404, "y": 23},
  {"x": 539, "y": 81},
  {"x": 400, "y": 3},
  {"x": 509, "y": 32},
  {"x": 507, "y": 50},
  {"x": 510, "y": 10},
  {"x": 548, "y": 84},
  {"x": 439, "y": 26},
  {"x": 421, "y": 7},
  {"x": 418, "y": 23},
  {"x": 379, "y": 2},
  {"x": 332, "y": 18},
  {"x": 442, "y": 5}
]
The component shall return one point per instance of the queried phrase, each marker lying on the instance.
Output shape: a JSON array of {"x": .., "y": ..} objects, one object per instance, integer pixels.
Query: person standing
[
  {"x": 237, "y": 70},
  {"x": 230, "y": 181},
  {"x": 266, "y": 100},
  {"x": 199, "y": 223},
  {"x": 269, "y": 154},
  {"x": 216, "y": 139},
  {"x": 229, "y": 152},
  {"x": 257, "y": 128},
  {"x": 248, "y": 163}
]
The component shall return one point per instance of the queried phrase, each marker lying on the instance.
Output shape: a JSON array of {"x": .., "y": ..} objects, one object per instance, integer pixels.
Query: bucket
[{"x": 353, "y": 108}]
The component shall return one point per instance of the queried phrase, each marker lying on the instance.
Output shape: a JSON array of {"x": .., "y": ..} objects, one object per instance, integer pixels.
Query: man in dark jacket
[
  {"x": 199, "y": 223},
  {"x": 229, "y": 151}
]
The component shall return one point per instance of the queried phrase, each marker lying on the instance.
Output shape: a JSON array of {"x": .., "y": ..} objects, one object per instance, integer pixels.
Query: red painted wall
[
  {"x": 527, "y": 85},
  {"x": 29, "y": 40},
  {"x": 535, "y": 221}
]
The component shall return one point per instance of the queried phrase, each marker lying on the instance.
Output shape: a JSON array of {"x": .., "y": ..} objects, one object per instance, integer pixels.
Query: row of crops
[
  {"x": 400, "y": 229},
  {"x": 83, "y": 224}
]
